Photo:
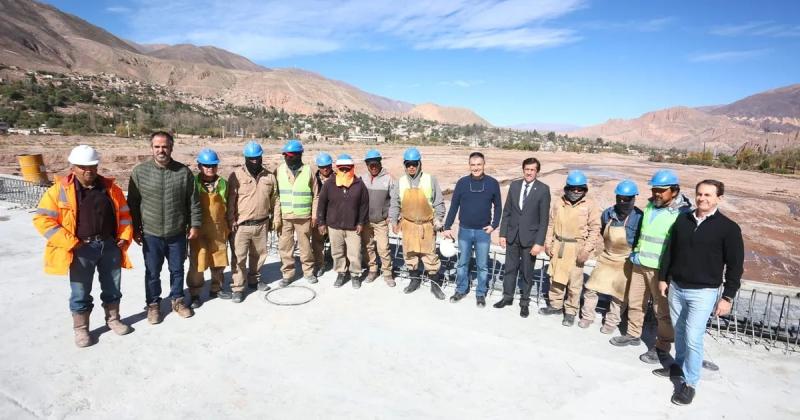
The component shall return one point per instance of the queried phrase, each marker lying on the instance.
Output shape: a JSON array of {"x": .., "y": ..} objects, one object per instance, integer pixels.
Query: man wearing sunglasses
[
  {"x": 666, "y": 204},
  {"x": 476, "y": 199},
  {"x": 417, "y": 211},
  {"x": 323, "y": 261}
]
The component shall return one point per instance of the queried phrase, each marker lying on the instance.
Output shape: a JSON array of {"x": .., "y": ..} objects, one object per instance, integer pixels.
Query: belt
[
  {"x": 253, "y": 222},
  {"x": 561, "y": 247},
  {"x": 94, "y": 238}
]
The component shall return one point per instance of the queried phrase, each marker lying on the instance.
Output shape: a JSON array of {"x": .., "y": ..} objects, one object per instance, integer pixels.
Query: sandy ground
[
  {"x": 766, "y": 206},
  {"x": 356, "y": 354}
]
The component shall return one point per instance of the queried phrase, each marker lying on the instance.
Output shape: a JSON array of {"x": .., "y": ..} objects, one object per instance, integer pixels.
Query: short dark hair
[
  {"x": 718, "y": 184},
  {"x": 477, "y": 154},
  {"x": 168, "y": 136},
  {"x": 532, "y": 161}
]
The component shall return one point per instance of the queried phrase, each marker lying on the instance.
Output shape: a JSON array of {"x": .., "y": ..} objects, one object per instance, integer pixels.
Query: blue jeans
[
  {"x": 689, "y": 310},
  {"x": 155, "y": 250},
  {"x": 467, "y": 238},
  {"x": 106, "y": 258}
]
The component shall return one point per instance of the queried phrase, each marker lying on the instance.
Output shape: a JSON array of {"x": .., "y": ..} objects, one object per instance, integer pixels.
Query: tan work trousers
[
  {"x": 318, "y": 247},
  {"x": 567, "y": 296},
  {"x": 345, "y": 246},
  {"x": 375, "y": 240},
  {"x": 249, "y": 245},
  {"x": 196, "y": 280},
  {"x": 644, "y": 283},
  {"x": 430, "y": 260},
  {"x": 590, "y": 298},
  {"x": 289, "y": 229}
]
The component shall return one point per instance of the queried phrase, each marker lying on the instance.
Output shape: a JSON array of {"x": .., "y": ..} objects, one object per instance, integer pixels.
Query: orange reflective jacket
[{"x": 57, "y": 218}]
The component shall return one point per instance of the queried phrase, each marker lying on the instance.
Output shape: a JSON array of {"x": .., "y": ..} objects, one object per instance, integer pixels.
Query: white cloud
[
  {"x": 462, "y": 83},
  {"x": 740, "y": 55},
  {"x": 758, "y": 28},
  {"x": 649, "y": 25},
  {"x": 264, "y": 30},
  {"x": 118, "y": 9}
]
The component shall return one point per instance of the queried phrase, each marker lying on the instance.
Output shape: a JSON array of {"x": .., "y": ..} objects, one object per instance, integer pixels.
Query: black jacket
[
  {"x": 696, "y": 256},
  {"x": 343, "y": 208},
  {"x": 527, "y": 226}
]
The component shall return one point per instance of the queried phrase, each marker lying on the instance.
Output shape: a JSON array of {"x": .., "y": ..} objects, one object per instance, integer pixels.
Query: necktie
[{"x": 525, "y": 194}]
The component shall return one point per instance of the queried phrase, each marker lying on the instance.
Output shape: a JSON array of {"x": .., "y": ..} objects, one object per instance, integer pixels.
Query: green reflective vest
[
  {"x": 296, "y": 198},
  {"x": 425, "y": 184},
  {"x": 654, "y": 234},
  {"x": 222, "y": 187}
]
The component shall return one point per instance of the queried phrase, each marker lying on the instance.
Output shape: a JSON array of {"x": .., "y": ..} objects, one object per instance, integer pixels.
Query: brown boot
[
  {"x": 80, "y": 324},
  {"x": 181, "y": 309},
  {"x": 154, "y": 313},
  {"x": 112, "y": 319}
]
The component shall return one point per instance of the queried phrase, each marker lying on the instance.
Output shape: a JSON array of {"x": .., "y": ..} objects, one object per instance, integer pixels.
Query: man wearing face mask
[
  {"x": 375, "y": 238},
  {"x": 322, "y": 257},
  {"x": 417, "y": 211},
  {"x": 665, "y": 205},
  {"x": 572, "y": 234},
  {"x": 298, "y": 207},
  {"x": 252, "y": 205},
  {"x": 344, "y": 207},
  {"x": 619, "y": 227}
]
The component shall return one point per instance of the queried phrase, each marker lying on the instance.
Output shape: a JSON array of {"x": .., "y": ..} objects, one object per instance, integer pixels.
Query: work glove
[{"x": 583, "y": 256}]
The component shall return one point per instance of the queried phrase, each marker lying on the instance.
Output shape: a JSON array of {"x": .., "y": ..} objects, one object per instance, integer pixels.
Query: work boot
[
  {"x": 684, "y": 395},
  {"x": 112, "y": 319},
  {"x": 671, "y": 371},
  {"x": 413, "y": 285},
  {"x": 224, "y": 294},
  {"x": 319, "y": 271},
  {"x": 285, "y": 282},
  {"x": 371, "y": 276},
  {"x": 311, "y": 279},
  {"x": 237, "y": 297},
  {"x": 625, "y": 340},
  {"x": 263, "y": 286},
  {"x": 356, "y": 280},
  {"x": 549, "y": 310},
  {"x": 457, "y": 297},
  {"x": 502, "y": 303},
  {"x": 179, "y": 307},
  {"x": 605, "y": 329},
  {"x": 389, "y": 280},
  {"x": 436, "y": 286},
  {"x": 196, "y": 302},
  {"x": 80, "y": 325},
  {"x": 341, "y": 278},
  {"x": 654, "y": 355},
  {"x": 481, "y": 301},
  {"x": 154, "y": 313},
  {"x": 524, "y": 311},
  {"x": 585, "y": 323},
  {"x": 252, "y": 287},
  {"x": 569, "y": 320}
]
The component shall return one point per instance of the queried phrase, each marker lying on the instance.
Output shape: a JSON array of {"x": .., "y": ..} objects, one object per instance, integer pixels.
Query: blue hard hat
[
  {"x": 207, "y": 157},
  {"x": 292, "y": 146},
  {"x": 664, "y": 178},
  {"x": 627, "y": 188},
  {"x": 252, "y": 149},
  {"x": 373, "y": 154},
  {"x": 324, "y": 159},
  {"x": 412, "y": 154},
  {"x": 575, "y": 178}
]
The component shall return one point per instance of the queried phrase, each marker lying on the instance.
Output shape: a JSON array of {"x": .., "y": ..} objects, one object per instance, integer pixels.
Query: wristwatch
[{"x": 727, "y": 299}]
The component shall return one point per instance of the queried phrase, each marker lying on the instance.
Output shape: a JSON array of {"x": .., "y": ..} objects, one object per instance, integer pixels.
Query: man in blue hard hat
[
  {"x": 342, "y": 214},
  {"x": 375, "y": 237},
  {"x": 323, "y": 260},
  {"x": 572, "y": 235},
  {"x": 619, "y": 226},
  {"x": 417, "y": 211},
  {"x": 298, "y": 207},
  {"x": 210, "y": 249},
  {"x": 476, "y": 199},
  {"x": 665, "y": 205},
  {"x": 252, "y": 212}
]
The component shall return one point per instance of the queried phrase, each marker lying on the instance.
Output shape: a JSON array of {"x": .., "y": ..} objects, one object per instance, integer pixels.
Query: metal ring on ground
[{"x": 290, "y": 303}]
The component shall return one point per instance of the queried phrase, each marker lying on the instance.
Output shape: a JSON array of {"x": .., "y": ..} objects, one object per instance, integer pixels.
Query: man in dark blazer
[{"x": 522, "y": 232}]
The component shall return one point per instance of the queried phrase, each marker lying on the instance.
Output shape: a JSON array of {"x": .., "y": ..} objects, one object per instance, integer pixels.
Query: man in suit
[{"x": 522, "y": 232}]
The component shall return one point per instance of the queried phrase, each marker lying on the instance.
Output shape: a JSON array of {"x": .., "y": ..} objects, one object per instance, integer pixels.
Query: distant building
[
  {"x": 4, "y": 127},
  {"x": 369, "y": 139}
]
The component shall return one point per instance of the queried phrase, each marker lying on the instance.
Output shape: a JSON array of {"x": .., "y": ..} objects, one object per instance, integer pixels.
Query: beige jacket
[
  {"x": 589, "y": 222},
  {"x": 252, "y": 198}
]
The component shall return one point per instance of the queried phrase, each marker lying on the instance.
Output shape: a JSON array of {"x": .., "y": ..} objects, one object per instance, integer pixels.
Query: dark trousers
[
  {"x": 518, "y": 258},
  {"x": 103, "y": 257},
  {"x": 155, "y": 250}
]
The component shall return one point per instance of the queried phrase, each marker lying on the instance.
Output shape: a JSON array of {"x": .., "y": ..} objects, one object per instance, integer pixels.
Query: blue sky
[{"x": 555, "y": 61}]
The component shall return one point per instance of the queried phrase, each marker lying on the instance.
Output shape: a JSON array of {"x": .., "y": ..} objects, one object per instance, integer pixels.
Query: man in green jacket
[{"x": 166, "y": 213}]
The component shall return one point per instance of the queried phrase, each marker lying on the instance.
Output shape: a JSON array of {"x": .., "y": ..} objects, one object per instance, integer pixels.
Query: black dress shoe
[
  {"x": 523, "y": 311},
  {"x": 684, "y": 395},
  {"x": 503, "y": 303}
]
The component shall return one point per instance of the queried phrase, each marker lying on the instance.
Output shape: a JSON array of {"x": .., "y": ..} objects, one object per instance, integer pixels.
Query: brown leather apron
[
  {"x": 611, "y": 275},
  {"x": 416, "y": 222},
  {"x": 210, "y": 249}
]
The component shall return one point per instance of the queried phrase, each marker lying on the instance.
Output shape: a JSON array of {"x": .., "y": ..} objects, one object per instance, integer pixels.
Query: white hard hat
[
  {"x": 83, "y": 155},
  {"x": 447, "y": 248}
]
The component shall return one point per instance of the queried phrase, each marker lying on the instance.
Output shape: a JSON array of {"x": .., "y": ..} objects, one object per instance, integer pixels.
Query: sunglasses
[
  {"x": 411, "y": 163},
  {"x": 576, "y": 189},
  {"x": 209, "y": 166},
  {"x": 657, "y": 190},
  {"x": 625, "y": 198},
  {"x": 345, "y": 168}
]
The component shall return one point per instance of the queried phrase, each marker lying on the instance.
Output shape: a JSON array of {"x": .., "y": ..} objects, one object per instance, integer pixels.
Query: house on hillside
[{"x": 4, "y": 127}]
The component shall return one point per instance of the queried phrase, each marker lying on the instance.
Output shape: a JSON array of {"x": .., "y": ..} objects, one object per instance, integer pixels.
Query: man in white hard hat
[{"x": 87, "y": 224}]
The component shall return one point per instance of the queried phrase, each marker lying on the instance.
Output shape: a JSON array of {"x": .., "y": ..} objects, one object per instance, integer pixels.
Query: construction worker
[
  {"x": 298, "y": 206},
  {"x": 342, "y": 214},
  {"x": 85, "y": 219},
  {"x": 417, "y": 211},
  {"x": 572, "y": 234},
  {"x": 323, "y": 261},
  {"x": 210, "y": 249},
  {"x": 665, "y": 205},
  {"x": 619, "y": 226},
  {"x": 375, "y": 236},
  {"x": 165, "y": 206},
  {"x": 252, "y": 207}
]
